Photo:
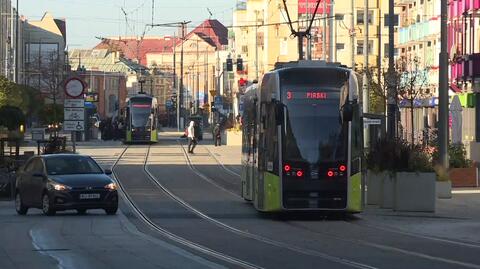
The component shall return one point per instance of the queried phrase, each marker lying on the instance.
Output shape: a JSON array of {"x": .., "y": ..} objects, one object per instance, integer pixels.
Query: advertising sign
[{"x": 303, "y": 9}]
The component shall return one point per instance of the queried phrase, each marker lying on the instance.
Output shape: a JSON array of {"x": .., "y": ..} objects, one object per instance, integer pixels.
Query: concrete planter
[
  {"x": 387, "y": 192},
  {"x": 374, "y": 187},
  {"x": 444, "y": 189},
  {"x": 415, "y": 192}
]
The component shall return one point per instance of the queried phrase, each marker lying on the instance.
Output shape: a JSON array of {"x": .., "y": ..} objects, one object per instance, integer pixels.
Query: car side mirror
[
  {"x": 108, "y": 172},
  {"x": 347, "y": 112}
]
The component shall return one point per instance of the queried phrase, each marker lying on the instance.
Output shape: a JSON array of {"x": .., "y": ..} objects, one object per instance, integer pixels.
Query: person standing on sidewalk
[
  {"x": 192, "y": 140},
  {"x": 217, "y": 135}
]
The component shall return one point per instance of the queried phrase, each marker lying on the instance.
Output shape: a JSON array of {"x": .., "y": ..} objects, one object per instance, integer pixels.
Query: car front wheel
[
  {"x": 19, "y": 206},
  {"x": 47, "y": 205}
]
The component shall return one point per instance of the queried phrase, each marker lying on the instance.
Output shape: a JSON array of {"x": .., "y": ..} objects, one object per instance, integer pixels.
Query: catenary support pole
[
  {"x": 443, "y": 88},
  {"x": 392, "y": 107}
]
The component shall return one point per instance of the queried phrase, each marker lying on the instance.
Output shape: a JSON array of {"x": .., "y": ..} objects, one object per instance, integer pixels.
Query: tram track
[
  {"x": 239, "y": 232},
  {"x": 171, "y": 236},
  {"x": 363, "y": 242}
]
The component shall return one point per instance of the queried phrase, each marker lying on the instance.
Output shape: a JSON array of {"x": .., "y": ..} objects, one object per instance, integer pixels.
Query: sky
[{"x": 87, "y": 19}]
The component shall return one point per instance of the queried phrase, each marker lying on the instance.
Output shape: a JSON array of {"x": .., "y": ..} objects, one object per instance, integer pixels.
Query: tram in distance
[
  {"x": 141, "y": 116},
  {"x": 303, "y": 140}
]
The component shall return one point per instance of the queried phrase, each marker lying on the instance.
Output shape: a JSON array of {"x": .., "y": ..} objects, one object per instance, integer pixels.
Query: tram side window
[{"x": 271, "y": 139}]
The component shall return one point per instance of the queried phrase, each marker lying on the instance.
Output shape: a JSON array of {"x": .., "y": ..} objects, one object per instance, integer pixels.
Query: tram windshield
[
  {"x": 314, "y": 131},
  {"x": 141, "y": 110}
]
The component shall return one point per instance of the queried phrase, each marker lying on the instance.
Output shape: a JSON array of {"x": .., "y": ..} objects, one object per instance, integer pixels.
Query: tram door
[{"x": 268, "y": 183}]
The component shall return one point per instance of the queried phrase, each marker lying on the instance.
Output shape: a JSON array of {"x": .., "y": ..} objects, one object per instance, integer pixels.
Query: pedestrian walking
[
  {"x": 192, "y": 139},
  {"x": 217, "y": 135}
]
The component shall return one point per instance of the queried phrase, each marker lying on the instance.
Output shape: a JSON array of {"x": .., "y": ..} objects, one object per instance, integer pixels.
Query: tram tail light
[
  {"x": 299, "y": 173},
  {"x": 287, "y": 168},
  {"x": 342, "y": 168},
  {"x": 330, "y": 174}
]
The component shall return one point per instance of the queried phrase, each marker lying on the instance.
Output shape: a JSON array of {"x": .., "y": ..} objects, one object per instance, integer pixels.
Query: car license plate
[{"x": 85, "y": 196}]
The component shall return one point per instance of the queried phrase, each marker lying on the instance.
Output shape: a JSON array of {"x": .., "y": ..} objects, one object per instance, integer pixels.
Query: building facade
[
  {"x": 44, "y": 62},
  {"x": 110, "y": 78},
  {"x": 464, "y": 71}
]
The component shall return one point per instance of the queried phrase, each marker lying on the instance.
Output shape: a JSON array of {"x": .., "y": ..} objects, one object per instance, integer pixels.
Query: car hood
[{"x": 87, "y": 180}]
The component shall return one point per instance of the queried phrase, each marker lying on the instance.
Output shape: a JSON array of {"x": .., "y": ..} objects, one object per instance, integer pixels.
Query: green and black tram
[
  {"x": 141, "y": 119},
  {"x": 303, "y": 140}
]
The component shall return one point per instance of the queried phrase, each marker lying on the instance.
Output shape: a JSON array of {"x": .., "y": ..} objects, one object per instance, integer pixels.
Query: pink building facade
[{"x": 464, "y": 45}]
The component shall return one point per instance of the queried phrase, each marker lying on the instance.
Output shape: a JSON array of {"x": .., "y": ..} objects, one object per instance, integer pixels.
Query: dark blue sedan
[{"x": 64, "y": 182}]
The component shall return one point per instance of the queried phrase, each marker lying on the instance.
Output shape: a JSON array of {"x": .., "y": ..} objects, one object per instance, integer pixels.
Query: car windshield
[{"x": 71, "y": 165}]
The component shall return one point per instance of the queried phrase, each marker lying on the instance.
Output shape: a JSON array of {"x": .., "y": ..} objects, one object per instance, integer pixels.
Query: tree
[
  {"x": 49, "y": 69},
  {"x": 11, "y": 117},
  {"x": 413, "y": 84},
  {"x": 24, "y": 97}
]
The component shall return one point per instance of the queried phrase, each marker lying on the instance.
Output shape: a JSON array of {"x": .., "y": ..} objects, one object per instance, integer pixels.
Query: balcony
[
  {"x": 419, "y": 31},
  {"x": 466, "y": 68},
  {"x": 471, "y": 5}
]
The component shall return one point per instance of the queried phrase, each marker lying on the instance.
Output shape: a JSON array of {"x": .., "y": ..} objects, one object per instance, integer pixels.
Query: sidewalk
[{"x": 455, "y": 219}]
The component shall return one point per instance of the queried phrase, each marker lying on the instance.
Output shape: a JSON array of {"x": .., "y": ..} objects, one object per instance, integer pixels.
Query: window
[
  {"x": 387, "y": 51},
  {"x": 386, "y": 21},
  {"x": 361, "y": 15},
  {"x": 360, "y": 47},
  {"x": 340, "y": 46}
]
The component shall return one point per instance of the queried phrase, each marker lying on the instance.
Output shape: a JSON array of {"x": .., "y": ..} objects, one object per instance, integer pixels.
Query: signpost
[{"x": 74, "y": 107}]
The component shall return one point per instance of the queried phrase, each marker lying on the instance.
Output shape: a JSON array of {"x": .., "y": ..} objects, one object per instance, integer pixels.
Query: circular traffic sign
[{"x": 74, "y": 87}]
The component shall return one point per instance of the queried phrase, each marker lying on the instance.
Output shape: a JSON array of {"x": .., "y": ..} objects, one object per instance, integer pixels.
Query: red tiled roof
[
  {"x": 138, "y": 49},
  {"x": 212, "y": 31}
]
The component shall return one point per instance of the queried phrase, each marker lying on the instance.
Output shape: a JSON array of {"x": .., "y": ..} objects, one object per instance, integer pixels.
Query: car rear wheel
[
  {"x": 19, "y": 206},
  {"x": 47, "y": 205},
  {"x": 111, "y": 210},
  {"x": 81, "y": 211}
]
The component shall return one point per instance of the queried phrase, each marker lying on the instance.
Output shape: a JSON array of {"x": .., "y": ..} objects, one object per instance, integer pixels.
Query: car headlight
[
  {"x": 112, "y": 186},
  {"x": 59, "y": 187}
]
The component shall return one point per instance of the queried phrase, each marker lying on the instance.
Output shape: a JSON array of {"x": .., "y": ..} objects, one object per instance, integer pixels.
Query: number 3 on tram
[{"x": 303, "y": 140}]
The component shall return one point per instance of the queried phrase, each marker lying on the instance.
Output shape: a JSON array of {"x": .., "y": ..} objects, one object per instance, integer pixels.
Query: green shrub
[{"x": 398, "y": 156}]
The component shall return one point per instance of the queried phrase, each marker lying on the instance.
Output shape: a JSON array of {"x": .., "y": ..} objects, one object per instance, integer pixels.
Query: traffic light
[
  {"x": 229, "y": 65},
  {"x": 239, "y": 64}
]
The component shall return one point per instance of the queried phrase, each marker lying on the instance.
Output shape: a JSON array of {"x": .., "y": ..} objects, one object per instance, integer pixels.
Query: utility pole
[
  {"x": 324, "y": 35},
  {"x": 16, "y": 43},
  {"x": 443, "y": 88},
  {"x": 352, "y": 33},
  {"x": 182, "y": 25},
  {"x": 256, "y": 44},
  {"x": 175, "y": 86},
  {"x": 365, "y": 91},
  {"x": 392, "y": 106},
  {"x": 309, "y": 39},
  {"x": 331, "y": 21}
]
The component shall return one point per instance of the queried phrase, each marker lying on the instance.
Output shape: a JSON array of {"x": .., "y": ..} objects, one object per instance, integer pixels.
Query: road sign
[
  {"x": 74, "y": 87},
  {"x": 74, "y": 126},
  {"x": 75, "y": 114},
  {"x": 367, "y": 121},
  {"x": 76, "y": 103}
]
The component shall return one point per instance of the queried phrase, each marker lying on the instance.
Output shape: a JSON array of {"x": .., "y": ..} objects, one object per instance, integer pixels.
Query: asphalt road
[{"x": 184, "y": 211}]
